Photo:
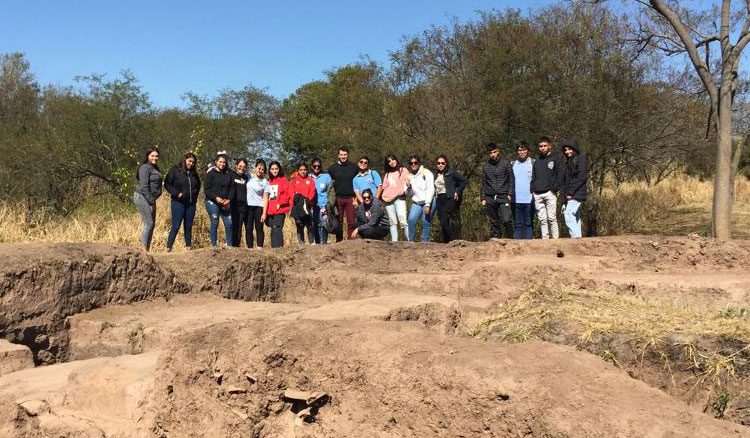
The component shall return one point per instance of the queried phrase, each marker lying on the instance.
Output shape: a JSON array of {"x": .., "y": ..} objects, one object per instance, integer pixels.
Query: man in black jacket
[
  {"x": 342, "y": 173},
  {"x": 545, "y": 182},
  {"x": 496, "y": 193},
  {"x": 574, "y": 186}
]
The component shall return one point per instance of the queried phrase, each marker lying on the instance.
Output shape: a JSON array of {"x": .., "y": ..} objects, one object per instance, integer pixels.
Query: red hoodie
[
  {"x": 278, "y": 196},
  {"x": 304, "y": 186}
]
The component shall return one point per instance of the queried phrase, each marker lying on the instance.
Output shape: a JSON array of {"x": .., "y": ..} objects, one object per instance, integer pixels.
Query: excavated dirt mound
[
  {"x": 370, "y": 338},
  {"x": 42, "y": 284}
]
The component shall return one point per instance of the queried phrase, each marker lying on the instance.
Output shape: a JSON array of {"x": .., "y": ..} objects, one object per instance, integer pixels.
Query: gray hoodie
[{"x": 149, "y": 183}]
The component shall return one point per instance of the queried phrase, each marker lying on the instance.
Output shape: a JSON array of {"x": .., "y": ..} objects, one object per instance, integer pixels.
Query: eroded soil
[{"x": 207, "y": 343}]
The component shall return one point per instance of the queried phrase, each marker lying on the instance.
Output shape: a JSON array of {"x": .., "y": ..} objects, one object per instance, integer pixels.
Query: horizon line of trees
[{"x": 572, "y": 70}]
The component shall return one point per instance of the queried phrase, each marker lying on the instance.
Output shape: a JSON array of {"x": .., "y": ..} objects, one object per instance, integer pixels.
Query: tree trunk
[{"x": 722, "y": 204}]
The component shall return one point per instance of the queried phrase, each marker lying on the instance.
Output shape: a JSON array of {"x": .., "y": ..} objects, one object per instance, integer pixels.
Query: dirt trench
[{"x": 386, "y": 332}]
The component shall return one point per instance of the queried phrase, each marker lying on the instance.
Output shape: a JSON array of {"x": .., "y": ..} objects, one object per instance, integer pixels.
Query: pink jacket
[{"x": 394, "y": 185}]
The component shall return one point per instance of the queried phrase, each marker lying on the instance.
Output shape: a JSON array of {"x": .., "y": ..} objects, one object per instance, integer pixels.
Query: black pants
[
  {"x": 253, "y": 222},
  {"x": 307, "y": 222},
  {"x": 276, "y": 222},
  {"x": 239, "y": 218},
  {"x": 374, "y": 233},
  {"x": 498, "y": 209},
  {"x": 448, "y": 216}
]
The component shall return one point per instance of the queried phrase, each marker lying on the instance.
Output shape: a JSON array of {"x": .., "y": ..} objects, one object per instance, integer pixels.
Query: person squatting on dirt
[
  {"x": 395, "y": 184},
  {"x": 545, "y": 182},
  {"x": 522, "y": 204},
  {"x": 496, "y": 192},
  {"x": 342, "y": 173},
  {"x": 238, "y": 205},
  {"x": 218, "y": 188},
  {"x": 574, "y": 186},
  {"x": 303, "y": 194},
  {"x": 372, "y": 222},
  {"x": 422, "y": 188},
  {"x": 320, "y": 211},
  {"x": 147, "y": 191},
  {"x": 257, "y": 202},
  {"x": 449, "y": 187},
  {"x": 183, "y": 184},
  {"x": 278, "y": 203}
]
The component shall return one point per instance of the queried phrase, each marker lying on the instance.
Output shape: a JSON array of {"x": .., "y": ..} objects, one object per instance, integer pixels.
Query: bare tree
[{"x": 677, "y": 29}]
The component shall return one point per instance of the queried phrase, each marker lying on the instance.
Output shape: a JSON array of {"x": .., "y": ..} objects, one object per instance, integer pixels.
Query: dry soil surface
[{"x": 355, "y": 339}]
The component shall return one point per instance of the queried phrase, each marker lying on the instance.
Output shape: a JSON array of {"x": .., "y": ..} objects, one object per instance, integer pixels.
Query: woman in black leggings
[
  {"x": 449, "y": 188},
  {"x": 257, "y": 199}
]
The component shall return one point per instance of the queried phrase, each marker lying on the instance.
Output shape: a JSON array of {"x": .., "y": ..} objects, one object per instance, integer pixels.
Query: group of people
[{"x": 371, "y": 205}]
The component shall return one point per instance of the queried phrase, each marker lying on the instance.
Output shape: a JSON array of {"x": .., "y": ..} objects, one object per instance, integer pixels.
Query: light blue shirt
[
  {"x": 522, "y": 173},
  {"x": 256, "y": 188},
  {"x": 370, "y": 180},
  {"x": 322, "y": 183}
]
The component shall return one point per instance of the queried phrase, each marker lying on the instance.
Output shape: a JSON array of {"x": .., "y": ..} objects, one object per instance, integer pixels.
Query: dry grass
[
  {"x": 709, "y": 347},
  {"x": 677, "y": 206},
  {"x": 118, "y": 227}
]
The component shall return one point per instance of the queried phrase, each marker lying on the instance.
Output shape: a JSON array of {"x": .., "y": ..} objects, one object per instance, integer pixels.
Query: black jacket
[
  {"x": 218, "y": 184},
  {"x": 185, "y": 182},
  {"x": 343, "y": 176},
  {"x": 575, "y": 173},
  {"x": 454, "y": 183},
  {"x": 238, "y": 193},
  {"x": 372, "y": 217},
  {"x": 546, "y": 174},
  {"x": 497, "y": 179}
]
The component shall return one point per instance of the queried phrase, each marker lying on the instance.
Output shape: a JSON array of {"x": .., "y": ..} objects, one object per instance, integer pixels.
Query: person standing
[
  {"x": 278, "y": 203},
  {"x": 302, "y": 191},
  {"x": 574, "y": 186},
  {"x": 545, "y": 182},
  {"x": 147, "y": 191},
  {"x": 394, "y": 195},
  {"x": 342, "y": 173},
  {"x": 320, "y": 210},
  {"x": 366, "y": 178},
  {"x": 183, "y": 184},
  {"x": 449, "y": 187},
  {"x": 238, "y": 206},
  {"x": 372, "y": 221},
  {"x": 257, "y": 202},
  {"x": 496, "y": 192},
  {"x": 218, "y": 190},
  {"x": 422, "y": 184},
  {"x": 522, "y": 199}
]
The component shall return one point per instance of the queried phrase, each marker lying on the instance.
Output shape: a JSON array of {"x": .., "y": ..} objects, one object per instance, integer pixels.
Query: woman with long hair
[
  {"x": 183, "y": 184},
  {"x": 278, "y": 203},
  {"x": 395, "y": 185},
  {"x": 238, "y": 204},
  {"x": 218, "y": 191},
  {"x": 449, "y": 188},
  {"x": 257, "y": 202},
  {"x": 303, "y": 194},
  {"x": 422, "y": 184},
  {"x": 147, "y": 191},
  {"x": 575, "y": 176},
  {"x": 320, "y": 209}
]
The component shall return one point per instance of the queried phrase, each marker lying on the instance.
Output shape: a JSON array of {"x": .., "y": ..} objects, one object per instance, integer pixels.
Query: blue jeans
[
  {"x": 573, "y": 218},
  {"x": 181, "y": 214},
  {"x": 522, "y": 220},
  {"x": 319, "y": 226},
  {"x": 415, "y": 212},
  {"x": 148, "y": 218},
  {"x": 214, "y": 211}
]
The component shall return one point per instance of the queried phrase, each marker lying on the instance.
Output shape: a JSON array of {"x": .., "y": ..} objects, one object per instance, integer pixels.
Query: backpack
[
  {"x": 300, "y": 209},
  {"x": 333, "y": 224}
]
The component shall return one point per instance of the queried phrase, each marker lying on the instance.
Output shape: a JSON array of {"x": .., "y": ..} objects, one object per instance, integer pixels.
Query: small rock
[
  {"x": 240, "y": 414},
  {"x": 236, "y": 390},
  {"x": 34, "y": 407},
  {"x": 250, "y": 378}
]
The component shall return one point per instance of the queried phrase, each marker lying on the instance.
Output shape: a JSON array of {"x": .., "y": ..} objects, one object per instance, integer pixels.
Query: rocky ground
[{"x": 627, "y": 337}]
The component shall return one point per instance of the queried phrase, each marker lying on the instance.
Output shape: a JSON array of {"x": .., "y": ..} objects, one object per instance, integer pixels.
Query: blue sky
[{"x": 179, "y": 46}]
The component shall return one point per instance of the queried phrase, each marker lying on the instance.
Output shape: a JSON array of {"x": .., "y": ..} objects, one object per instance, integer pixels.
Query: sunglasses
[
  {"x": 366, "y": 198},
  {"x": 363, "y": 162},
  {"x": 441, "y": 163},
  {"x": 413, "y": 162},
  {"x": 316, "y": 166}
]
